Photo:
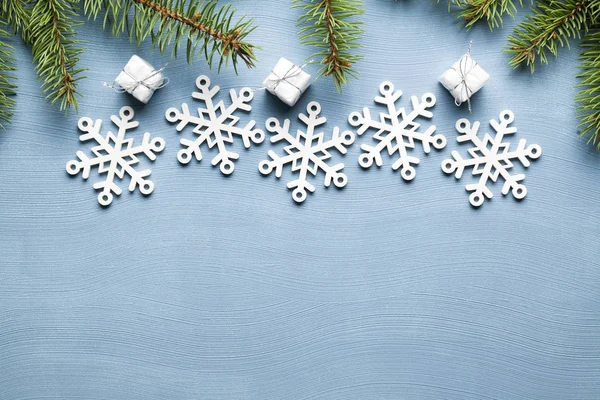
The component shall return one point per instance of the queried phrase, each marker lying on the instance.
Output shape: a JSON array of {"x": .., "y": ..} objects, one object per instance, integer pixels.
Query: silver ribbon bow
[
  {"x": 294, "y": 70},
  {"x": 120, "y": 89},
  {"x": 463, "y": 73}
]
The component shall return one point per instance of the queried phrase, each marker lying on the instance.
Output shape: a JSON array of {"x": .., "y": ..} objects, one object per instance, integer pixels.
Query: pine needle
[
  {"x": 490, "y": 10},
  {"x": 551, "y": 26},
  {"x": 16, "y": 14},
  {"x": 7, "y": 87},
  {"x": 331, "y": 25},
  {"x": 473, "y": 11},
  {"x": 588, "y": 97},
  {"x": 54, "y": 49},
  {"x": 204, "y": 28}
]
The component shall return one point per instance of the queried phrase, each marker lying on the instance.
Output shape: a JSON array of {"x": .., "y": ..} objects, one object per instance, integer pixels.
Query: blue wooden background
[{"x": 224, "y": 288}]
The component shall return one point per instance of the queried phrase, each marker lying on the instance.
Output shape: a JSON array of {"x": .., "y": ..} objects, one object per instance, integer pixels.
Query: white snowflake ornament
[
  {"x": 396, "y": 131},
  {"x": 115, "y": 156},
  {"x": 307, "y": 152},
  {"x": 215, "y": 125},
  {"x": 491, "y": 158}
]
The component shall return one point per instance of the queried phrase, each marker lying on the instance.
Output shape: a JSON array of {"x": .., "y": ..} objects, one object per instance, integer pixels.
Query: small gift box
[
  {"x": 464, "y": 79},
  {"x": 140, "y": 79},
  {"x": 287, "y": 81}
]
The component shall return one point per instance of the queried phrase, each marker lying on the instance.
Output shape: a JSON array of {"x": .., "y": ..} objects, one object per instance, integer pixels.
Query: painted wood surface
[{"x": 224, "y": 288}]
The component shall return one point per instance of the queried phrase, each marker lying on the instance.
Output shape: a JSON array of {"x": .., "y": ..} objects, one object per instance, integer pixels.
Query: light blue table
[{"x": 224, "y": 288}]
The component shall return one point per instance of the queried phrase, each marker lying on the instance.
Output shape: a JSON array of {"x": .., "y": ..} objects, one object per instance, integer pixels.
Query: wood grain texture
[{"x": 223, "y": 288}]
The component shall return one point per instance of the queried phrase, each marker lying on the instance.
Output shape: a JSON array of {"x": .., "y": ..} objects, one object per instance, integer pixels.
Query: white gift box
[
  {"x": 140, "y": 79},
  {"x": 464, "y": 79},
  {"x": 287, "y": 81}
]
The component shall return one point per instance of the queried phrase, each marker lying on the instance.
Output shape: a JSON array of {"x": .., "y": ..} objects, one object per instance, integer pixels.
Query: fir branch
[
  {"x": 490, "y": 10},
  {"x": 588, "y": 96},
  {"x": 200, "y": 24},
  {"x": 552, "y": 25},
  {"x": 7, "y": 87},
  {"x": 331, "y": 26},
  {"x": 16, "y": 14},
  {"x": 54, "y": 51},
  {"x": 473, "y": 11}
]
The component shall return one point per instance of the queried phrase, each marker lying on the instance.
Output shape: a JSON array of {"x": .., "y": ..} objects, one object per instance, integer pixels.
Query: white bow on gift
[
  {"x": 464, "y": 79},
  {"x": 140, "y": 79},
  {"x": 287, "y": 81}
]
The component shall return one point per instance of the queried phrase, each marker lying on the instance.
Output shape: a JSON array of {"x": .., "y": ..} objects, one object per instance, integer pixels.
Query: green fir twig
[
  {"x": 588, "y": 97},
  {"x": 492, "y": 11},
  {"x": 7, "y": 87},
  {"x": 551, "y": 26},
  {"x": 202, "y": 25},
  {"x": 331, "y": 26},
  {"x": 16, "y": 14},
  {"x": 55, "y": 50}
]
